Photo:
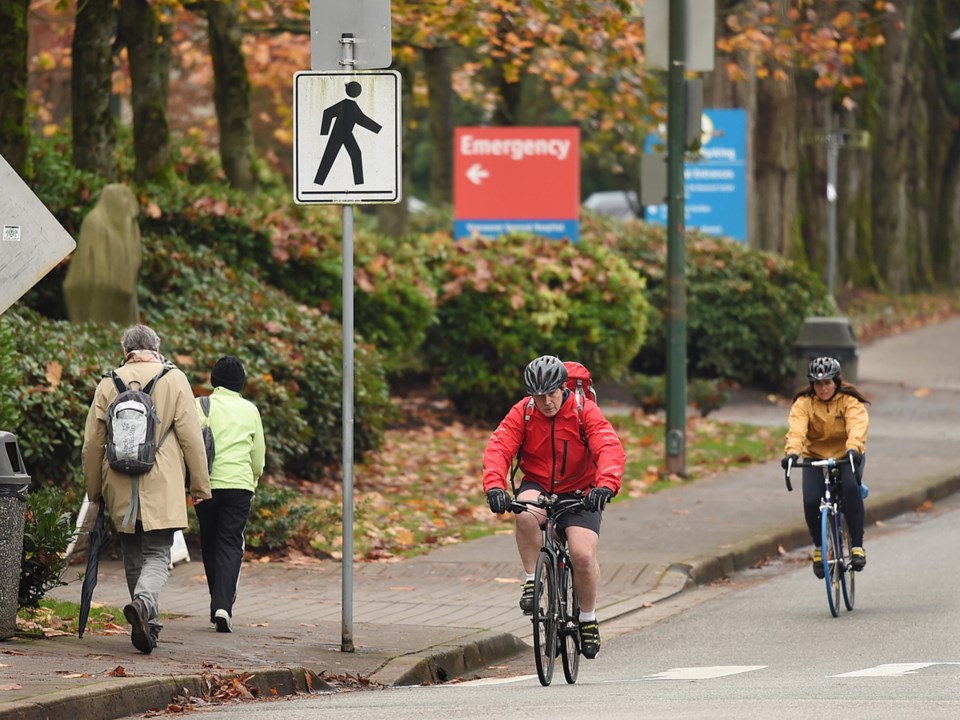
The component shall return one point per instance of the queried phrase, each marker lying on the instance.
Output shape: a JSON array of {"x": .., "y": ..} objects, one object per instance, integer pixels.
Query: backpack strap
[
  {"x": 118, "y": 382},
  {"x": 205, "y": 410}
]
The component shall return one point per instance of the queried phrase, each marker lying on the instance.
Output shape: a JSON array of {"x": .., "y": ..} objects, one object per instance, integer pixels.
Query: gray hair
[{"x": 140, "y": 337}]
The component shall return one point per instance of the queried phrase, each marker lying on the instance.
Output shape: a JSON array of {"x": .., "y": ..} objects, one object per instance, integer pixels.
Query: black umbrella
[{"x": 99, "y": 537}]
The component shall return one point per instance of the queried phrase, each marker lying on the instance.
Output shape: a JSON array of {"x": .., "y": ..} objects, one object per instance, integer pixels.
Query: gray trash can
[
  {"x": 14, "y": 482},
  {"x": 830, "y": 337}
]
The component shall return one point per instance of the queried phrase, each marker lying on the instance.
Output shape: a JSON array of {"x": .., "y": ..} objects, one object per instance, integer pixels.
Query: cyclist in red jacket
[{"x": 564, "y": 450}]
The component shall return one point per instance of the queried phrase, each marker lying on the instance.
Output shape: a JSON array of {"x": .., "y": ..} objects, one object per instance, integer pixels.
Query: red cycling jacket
[{"x": 554, "y": 455}]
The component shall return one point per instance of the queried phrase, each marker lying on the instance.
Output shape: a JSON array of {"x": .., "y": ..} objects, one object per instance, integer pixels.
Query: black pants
[
  {"x": 852, "y": 503},
  {"x": 223, "y": 519}
]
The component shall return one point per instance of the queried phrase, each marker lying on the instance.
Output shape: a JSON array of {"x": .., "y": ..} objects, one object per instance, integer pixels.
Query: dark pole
[{"x": 676, "y": 279}]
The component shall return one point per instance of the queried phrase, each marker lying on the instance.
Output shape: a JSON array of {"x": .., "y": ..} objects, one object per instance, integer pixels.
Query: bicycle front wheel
[
  {"x": 832, "y": 562},
  {"x": 544, "y": 618},
  {"x": 569, "y": 623},
  {"x": 848, "y": 576}
]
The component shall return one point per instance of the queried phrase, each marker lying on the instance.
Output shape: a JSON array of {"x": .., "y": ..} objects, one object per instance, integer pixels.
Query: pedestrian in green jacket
[{"x": 237, "y": 466}]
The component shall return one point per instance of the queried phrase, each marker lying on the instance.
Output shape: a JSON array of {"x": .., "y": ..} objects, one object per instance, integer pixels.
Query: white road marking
[
  {"x": 703, "y": 673},
  {"x": 493, "y": 681},
  {"x": 892, "y": 670}
]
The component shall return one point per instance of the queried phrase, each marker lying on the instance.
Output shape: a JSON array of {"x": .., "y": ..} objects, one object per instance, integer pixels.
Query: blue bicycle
[{"x": 837, "y": 566}]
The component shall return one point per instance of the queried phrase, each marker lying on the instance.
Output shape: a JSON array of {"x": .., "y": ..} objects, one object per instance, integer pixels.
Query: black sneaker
[
  {"x": 858, "y": 559},
  {"x": 818, "y": 563},
  {"x": 136, "y": 614},
  {"x": 589, "y": 639},
  {"x": 526, "y": 598},
  {"x": 222, "y": 620}
]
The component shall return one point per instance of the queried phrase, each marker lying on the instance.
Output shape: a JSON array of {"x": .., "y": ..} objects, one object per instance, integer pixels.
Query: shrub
[
  {"x": 744, "y": 307},
  {"x": 10, "y": 412},
  {"x": 507, "y": 301},
  {"x": 47, "y": 532},
  {"x": 300, "y": 252}
]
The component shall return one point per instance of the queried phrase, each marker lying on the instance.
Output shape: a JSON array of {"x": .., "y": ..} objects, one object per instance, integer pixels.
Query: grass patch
[{"x": 61, "y": 617}]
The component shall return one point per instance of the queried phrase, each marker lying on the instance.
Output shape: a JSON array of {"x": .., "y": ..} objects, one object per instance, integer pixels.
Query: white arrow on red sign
[{"x": 476, "y": 174}]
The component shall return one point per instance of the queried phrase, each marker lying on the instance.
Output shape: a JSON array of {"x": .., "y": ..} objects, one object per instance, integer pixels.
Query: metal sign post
[
  {"x": 347, "y": 151},
  {"x": 835, "y": 140}
]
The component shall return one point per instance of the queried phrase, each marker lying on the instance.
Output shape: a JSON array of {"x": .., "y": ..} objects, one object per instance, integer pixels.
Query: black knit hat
[{"x": 228, "y": 373}]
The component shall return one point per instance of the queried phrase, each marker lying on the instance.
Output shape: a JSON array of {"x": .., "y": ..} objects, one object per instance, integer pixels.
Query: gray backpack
[
  {"x": 132, "y": 424},
  {"x": 208, "y": 443}
]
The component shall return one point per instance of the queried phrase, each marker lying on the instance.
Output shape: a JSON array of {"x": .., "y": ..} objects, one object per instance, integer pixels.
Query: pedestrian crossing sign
[{"x": 346, "y": 137}]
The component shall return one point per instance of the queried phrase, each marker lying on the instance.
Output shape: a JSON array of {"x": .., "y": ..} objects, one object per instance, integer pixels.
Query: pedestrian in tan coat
[{"x": 160, "y": 503}]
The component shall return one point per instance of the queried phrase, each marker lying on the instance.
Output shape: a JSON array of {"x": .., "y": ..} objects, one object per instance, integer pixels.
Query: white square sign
[{"x": 346, "y": 137}]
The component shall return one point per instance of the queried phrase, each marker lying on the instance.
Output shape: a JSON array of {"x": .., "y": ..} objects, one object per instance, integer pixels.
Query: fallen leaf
[
  {"x": 921, "y": 392},
  {"x": 926, "y": 506},
  {"x": 118, "y": 671},
  {"x": 11, "y": 686},
  {"x": 54, "y": 371}
]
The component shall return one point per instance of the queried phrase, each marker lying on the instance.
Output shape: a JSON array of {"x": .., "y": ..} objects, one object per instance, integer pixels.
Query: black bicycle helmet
[
  {"x": 823, "y": 368},
  {"x": 544, "y": 375}
]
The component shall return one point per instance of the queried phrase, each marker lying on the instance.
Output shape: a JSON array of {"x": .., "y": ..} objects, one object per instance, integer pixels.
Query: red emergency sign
[{"x": 516, "y": 173}]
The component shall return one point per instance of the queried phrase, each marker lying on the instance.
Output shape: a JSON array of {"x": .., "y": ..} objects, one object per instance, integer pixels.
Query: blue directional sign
[{"x": 716, "y": 184}]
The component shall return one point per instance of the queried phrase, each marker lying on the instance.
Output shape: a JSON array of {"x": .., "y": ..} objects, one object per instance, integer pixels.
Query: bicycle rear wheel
[
  {"x": 569, "y": 624},
  {"x": 847, "y": 576},
  {"x": 831, "y": 559},
  {"x": 545, "y": 618}
]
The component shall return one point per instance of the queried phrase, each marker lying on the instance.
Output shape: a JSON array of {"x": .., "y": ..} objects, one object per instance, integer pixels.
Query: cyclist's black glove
[
  {"x": 498, "y": 500},
  {"x": 787, "y": 459},
  {"x": 597, "y": 498},
  {"x": 855, "y": 457}
]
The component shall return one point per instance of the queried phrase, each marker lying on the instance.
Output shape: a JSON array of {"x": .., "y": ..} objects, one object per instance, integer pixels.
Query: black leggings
[{"x": 852, "y": 502}]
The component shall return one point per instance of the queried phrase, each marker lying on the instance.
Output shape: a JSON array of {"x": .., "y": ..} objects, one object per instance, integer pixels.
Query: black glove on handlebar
[
  {"x": 788, "y": 458},
  {"x": 498, "y": 500},
  {"x": 597, "y": 498},
  {"x": 855, "y": 457}
]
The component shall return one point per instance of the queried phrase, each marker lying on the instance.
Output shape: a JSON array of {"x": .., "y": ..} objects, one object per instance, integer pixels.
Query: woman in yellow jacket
[{"x": 829, "y": 420}]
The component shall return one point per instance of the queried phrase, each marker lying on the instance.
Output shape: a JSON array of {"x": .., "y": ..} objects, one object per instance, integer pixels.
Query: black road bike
[{"x": 556, "y": 611}]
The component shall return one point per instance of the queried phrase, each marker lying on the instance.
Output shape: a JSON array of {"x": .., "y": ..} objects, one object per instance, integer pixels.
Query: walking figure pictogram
[{"x": 347, "y": 115}]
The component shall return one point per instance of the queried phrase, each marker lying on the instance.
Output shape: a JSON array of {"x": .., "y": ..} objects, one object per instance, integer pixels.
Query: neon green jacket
[
  {"x": 238, "y": 440},
  {"x": 824, "y": 430}
]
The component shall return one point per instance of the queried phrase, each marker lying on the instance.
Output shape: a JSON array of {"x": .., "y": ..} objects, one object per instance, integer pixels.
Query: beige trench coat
[{"x": 162, "y": 497}]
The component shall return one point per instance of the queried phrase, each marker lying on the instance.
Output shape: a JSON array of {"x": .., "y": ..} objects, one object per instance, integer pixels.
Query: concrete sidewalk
[{"x": 449, "y": 613}]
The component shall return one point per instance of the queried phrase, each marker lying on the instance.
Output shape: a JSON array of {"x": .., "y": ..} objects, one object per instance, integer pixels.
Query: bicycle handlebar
[
  {"x": 547, "y": 502},
  {"x": 809, "y": 462}
]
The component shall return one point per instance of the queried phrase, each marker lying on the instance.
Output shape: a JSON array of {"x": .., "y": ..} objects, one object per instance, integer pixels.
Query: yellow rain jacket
[{"x": 824, "y": 430}]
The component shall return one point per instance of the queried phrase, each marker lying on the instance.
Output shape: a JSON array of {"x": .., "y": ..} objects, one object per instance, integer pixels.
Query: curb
[
  {"x": 448, "y": 662},
  {"x": 120, "y": 698}
]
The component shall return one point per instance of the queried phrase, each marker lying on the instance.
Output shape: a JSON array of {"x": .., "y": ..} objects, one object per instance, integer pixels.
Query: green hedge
[
  {"x": 504, "y": 302},
  {"x": 744, "y": 307}
]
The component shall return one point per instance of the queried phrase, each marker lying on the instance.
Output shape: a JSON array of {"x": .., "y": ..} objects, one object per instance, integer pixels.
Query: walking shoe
[
  {"x": 858, "y": 558},
  {"x": 136, "y": 614},
  {"x": 818, "y": 563},
  {"x": 526, "y": 598},
  {"x": 222, "y": 619},
  {"x": 589, "y": 639}
]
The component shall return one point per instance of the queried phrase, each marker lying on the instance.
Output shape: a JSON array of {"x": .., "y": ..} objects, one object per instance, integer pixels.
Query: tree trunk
[
  {"x": 231, "y": 95},
  {"x": 899, "y": 184},
  {"x": 13, "y": 92},
  {"x": 440, "y": 90},
  {"x": 775, "y": 165},
  {"x": 392, "y": 218},
  {"x": 148, "y": 46},
  {"x": 942, "y": 93},
  {"x": 94, "y": 130}
]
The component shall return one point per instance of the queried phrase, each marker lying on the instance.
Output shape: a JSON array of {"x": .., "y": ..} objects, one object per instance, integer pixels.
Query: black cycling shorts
[{"x": 584, "y": 518}]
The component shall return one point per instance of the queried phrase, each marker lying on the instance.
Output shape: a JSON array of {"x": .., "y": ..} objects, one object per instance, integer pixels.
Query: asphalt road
[{"x": 763, "y": 645}]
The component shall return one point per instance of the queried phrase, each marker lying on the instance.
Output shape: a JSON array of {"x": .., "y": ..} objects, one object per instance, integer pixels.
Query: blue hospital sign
[{"x": 716, "y": 184}]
